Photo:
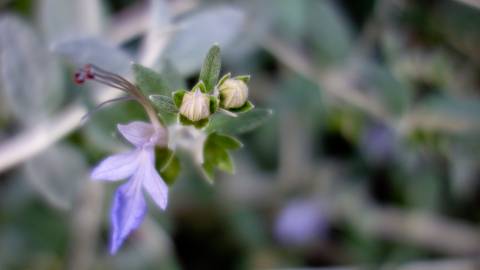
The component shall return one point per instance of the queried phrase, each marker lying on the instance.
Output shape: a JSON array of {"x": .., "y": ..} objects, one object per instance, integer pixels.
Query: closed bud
[
  {"x": 233, "y": 93},
  {"x": 195, "y": 105}
]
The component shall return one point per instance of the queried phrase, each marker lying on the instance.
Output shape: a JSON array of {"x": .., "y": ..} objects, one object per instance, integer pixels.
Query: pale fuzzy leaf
[
  {"x": 81, "y": 51},
  {"x": 330, "y": 31},
  {"x": 150, "y": 81},
  {"x": 241, "y": 124},
  {"x": 211, "y": 68},
  {"x": 57, "y": 174},
  {"x": 158, "y": 34},
  {"x": 199, "y": 31},
  {"x": 445, "y": 114},
  {"x": 60, "y": 19},
  {"x": 29, "y": 75},
  {"x": 164, "y": 104}
]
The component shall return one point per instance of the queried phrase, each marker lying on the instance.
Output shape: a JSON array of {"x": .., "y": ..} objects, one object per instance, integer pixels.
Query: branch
[
  {"x": 451, "y": 264},
  {"x": 471, "y": 3},
  {"x": 337, "y": 83},
  {"x": 85, "y": 225}
]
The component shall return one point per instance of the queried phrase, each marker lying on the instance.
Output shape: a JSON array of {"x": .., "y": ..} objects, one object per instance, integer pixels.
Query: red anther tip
[
  {"x": 89, "y": 71},
  {"x": 79, "y": 77}
]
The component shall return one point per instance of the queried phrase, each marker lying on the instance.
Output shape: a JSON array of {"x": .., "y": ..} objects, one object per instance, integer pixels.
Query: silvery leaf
[
  {"x": 29, "y": 75},
  {"x": 330, "y": 31},
  {"x": 199, "y": 31},
  {"x": 60, "y": 19},
  {"x": 81, "y": 51},
  {"x": 57, "y": 174}
]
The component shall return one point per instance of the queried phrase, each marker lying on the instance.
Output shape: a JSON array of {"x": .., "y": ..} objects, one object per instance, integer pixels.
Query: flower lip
[
  {"x": 233, "y": 93},
  {"x": 129, "y": 206},
  {"x": 143, "y": 134}
]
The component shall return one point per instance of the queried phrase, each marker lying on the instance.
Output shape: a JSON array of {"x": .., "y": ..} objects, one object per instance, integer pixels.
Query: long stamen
[
  {"x": 113, "y": 81},
  {"x": 111, "y": 84},
  {"x": 95, "y": 73},
  {"x": 101, "y": 72},
  {"x": 103, "y": 104}
]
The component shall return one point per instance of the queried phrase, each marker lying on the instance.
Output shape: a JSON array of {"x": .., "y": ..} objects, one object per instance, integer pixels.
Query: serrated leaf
[
  {"x": 178, "y": 97},
  {"x": 164, "y": 104},
  {"x": 150, "y": 81},
  {"x": 216, "y": 154},
  {"x": 248, "y": 106},
  {"x": 211, "y": 68},
  {"x": 244, "y": 122}
]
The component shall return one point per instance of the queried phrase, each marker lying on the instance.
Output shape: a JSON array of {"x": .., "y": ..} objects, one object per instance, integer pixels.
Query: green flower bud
[
  {"x": 233, "y": 93},
  {"x": 195, "y": 105}
]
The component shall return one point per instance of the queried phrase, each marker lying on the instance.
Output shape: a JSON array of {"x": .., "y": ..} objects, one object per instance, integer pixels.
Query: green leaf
[
  {"x": 202, "y": 123},
  {"x": 227, "y": 142},
  {"x": 216, "y": 154},
  {"x": 244, "y": 78},
  {"x": 162, "y": 158},
  {"x": 224, "y": 78},
  {"x": 447, "y": 114},
  {"x": 184, "y": 120},
  {"x": 244, "y": 122},
  {"x": 166, "y": 108},
  {"x": 167, "y": 164},
  {"x": 149, "y": 81},
  {"x": 164, "y": 104},
  {"x": 213, "y": 104},
  {"x": 178, "y": 97},
  {"x": 211, "y": 68},
  {"x": 198, "y": 124},
  {"x": 200, "y": 85},
  {"x": 248, "y": 106},
  {"x": 175, "y": 79},
  {"x": 171, "y": 171}
]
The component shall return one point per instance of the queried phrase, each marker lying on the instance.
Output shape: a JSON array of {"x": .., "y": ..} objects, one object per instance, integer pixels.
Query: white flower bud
[
  {"x": 195, "y": 105},
  {"x": 234, "y": 93}
]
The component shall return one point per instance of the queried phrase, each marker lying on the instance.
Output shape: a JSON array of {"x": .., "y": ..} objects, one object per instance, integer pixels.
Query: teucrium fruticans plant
[{"x": 200, "y": 120}]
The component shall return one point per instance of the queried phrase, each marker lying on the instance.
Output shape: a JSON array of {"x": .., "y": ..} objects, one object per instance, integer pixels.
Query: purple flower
[
  {"x": 378, "y": 143},
  {"x": 300, "y": 222},
  {"x": 138, "y": 166}
]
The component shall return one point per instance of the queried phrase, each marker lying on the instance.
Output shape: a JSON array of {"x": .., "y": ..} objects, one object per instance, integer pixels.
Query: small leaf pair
[{"x": 216, "y": 154}]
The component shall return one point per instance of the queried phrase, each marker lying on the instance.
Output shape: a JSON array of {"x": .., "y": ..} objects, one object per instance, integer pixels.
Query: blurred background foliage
[{"x": 371, "y": 158}]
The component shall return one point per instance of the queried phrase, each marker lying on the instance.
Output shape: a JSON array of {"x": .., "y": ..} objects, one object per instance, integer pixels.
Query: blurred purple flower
[
  {"x": 129, "y": 206},
  {"x": 378, "y": 143},
  {"x": 300, "y": 223}
]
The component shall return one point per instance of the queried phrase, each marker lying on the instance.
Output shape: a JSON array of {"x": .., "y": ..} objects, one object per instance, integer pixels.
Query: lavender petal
[
  {"x": 138, "y": 133},
  {"x": 155, "y": 186},
  {"x": 117, "y": 167},
  {"x": 127, "y": 214}
]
